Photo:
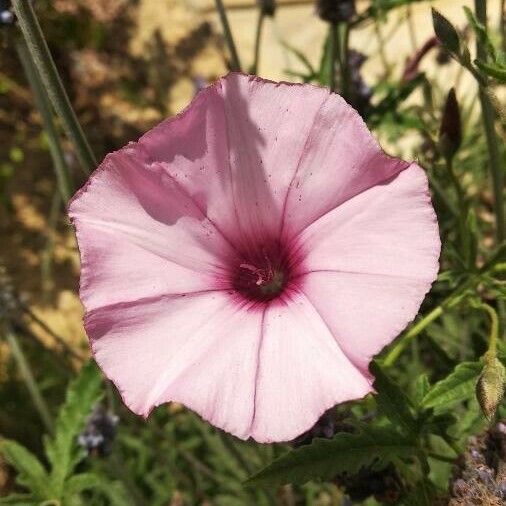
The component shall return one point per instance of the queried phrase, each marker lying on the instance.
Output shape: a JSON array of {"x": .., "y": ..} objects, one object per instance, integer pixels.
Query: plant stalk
[
  {"x": 488, "y": 115},
  {"x": 28, "y": 377},
  {"x": 44, "y": 108},
  {"x": 334, "y": 55},
  {"x": 452, "y": 300},
  {"x": 43, "y": 61},
  {"x": 258, "y": 38},
  {"x": 235, "y": 63}
]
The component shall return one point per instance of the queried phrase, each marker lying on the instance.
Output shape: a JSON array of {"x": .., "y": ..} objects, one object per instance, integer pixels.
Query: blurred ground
[{"x": 152, "y": 60}]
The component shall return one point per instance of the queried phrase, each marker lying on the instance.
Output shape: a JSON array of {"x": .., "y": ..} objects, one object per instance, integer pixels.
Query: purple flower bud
[
  {"x": 450, "y": 131},
  {"x": 335, "y": 11},
  {"x": 99, "y": 431}
]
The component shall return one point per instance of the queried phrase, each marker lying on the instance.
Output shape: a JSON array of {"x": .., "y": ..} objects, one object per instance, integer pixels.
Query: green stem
[
  {"x": 333, "y": 56},
  {"x": 451, "y": 301},
  {"x": 494, "y": 331},
  {"x": 235, "y": 63},
  {"x": 28, "y": 378},
  {"x": 43, "y": 61},
  {"x": 488, "y": 115},
  {"x": 343, "y": 59},
  {"x": 44, "y": 108},
  {"x": 381, "y": 48},
  {"x": 258, "y": 38},
  {"x": 421, "y": 324},
  {"x": 462, "y": 214}
]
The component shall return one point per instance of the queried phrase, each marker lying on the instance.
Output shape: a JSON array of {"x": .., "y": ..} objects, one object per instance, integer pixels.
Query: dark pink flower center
[{"x": 263, "y": 276}]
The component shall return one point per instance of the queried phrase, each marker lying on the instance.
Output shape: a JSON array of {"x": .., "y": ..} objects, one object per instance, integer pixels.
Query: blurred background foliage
[{"x": 127, "y": 64}]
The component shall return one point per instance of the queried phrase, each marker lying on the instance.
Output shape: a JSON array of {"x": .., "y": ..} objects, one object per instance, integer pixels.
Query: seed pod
[
  {"x": 450, "y": 131},
  {"x": 335, "y": 11},
  {"x": 490, "y": 387}
]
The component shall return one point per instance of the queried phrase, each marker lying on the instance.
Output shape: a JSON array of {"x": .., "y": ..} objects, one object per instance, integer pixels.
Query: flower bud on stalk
[
  {"x": 335, "y": 11},
  {"x": 490, "y": 386},
  {"x": 450, "y": 131},
  {"x": 267, "y": 7}
]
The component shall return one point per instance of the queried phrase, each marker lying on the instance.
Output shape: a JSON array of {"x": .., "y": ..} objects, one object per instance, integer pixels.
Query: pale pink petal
[
  {"x": 302, "y": 373},
  {"x": 236, "y": 150},
  {"x": 364, "y": 312},
  {"x": 341, "y": 158},
  {"x": 139, "y": 236},
  {"x": 199, "y": 349},
  {"x": 370, "y": 263},
  {"x": 390, "y": 229}
]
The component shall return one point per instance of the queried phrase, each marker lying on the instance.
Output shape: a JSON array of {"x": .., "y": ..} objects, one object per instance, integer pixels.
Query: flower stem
[
  {"x": 44, "y": 108},
  {"x": 451, "y": 301},
  {"x": 258, "y": 38},
  {"x": 333, "y": 56},
  {"x": 494, "y": 331},
  {"x": 343, "y": 59},
  {"x": 495, "y": 164},
  {"x": 28, "y": 378},
  {"x": 235, "y": 63},
  {"x": 43, "y": 61}
]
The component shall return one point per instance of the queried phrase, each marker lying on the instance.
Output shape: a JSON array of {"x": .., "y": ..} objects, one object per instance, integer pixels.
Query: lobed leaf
[
  {"x": 324, "y": 458},
  {"x": 457, "y": 386},
  {"x": 62, "y": 450},
  {"x": 31, "y": 473}
]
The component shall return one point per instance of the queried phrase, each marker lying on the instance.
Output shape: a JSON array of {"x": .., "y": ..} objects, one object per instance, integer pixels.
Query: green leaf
[
  {"x": 31, "y": 473},
  {"x": 422, "y": 386},
  {"x": 392, "y": 401},
  {"x": 446, "y": 33},
  {"x": 62, "y": 450},
  {"x": 324, "y": 458},
  {"x": 480, "y": 32},
  {"x": 456, "y": 387},
  {"x": 79, "y": 482},
  {"x": 20, "y": 500},
  {"x": 493, "y": 70}
]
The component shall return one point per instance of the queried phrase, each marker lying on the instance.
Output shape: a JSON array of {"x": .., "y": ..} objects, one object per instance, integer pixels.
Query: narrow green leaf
[
  {"x": 324, "y": 458},
  {"x": 493, "y": 70},
  {"x": 456, "y": 387},
  {"x": 62, "y": 450},
  {"x": 31, "y": 473},
  {"x": 446, "y": 32},
  {"x": 392, "y": 401},
  {"x": 480, "y": 32},
  {"x": 20, "y": 500},
  {"x": 422, "y": 386}
]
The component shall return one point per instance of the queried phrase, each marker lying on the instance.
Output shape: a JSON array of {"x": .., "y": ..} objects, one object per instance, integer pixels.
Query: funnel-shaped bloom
[{"x": 248, "y": 257}]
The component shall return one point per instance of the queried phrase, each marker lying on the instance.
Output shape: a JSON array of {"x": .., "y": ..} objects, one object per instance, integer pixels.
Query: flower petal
[
  {"x": 302, "y": 372},
  {"x": 341, "y": 159},
  {"x": 390, "y": 229},
  {"x": 185, "y": 349},
  {"x": 364, "y": 312},
  {"x": 140, "y": 237},
  {"x": 236, "y": 150},
  {"x": 370, "y": 263}
]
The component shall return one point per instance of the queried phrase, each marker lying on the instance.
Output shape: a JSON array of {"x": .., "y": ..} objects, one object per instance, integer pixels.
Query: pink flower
[{"x": 248, "y": 257}]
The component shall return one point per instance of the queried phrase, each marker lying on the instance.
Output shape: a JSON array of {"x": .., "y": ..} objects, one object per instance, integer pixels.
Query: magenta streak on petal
[{"x": 303, "y": 152}]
